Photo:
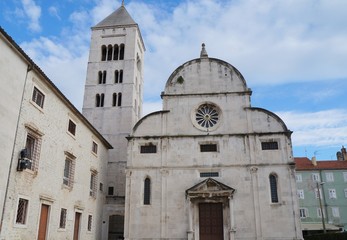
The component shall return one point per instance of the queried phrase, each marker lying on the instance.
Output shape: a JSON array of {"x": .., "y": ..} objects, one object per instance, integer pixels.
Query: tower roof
[{"x": 120, "y": 17}]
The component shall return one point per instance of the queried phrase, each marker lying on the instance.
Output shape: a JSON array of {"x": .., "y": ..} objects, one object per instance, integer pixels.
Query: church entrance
[{"x": 211, "y": 221}]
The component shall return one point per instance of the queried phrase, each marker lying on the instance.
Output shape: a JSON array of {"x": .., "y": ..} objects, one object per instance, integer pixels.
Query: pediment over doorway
[{"x": 210, "y": 188}]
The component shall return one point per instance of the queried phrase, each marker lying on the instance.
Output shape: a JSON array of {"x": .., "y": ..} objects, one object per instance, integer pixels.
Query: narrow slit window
[
  {"x": 115, "y": 52},
  {"x": 97, "y": 100},
  {"x": 90, "y": 219},
  {"x": 103, "y": 53},
  {"x": 121, "y": 52},
  {"x": 114, "y": 99},
  {"x": 109, "y": 53},
  {"x": 273, "y": 188},
  {"x": 102, "y": 97},
  {"x": 147, "y": 192},
  {"x": 62, "y": 221},
  {"x": 119, "y": 99},
  {"x": 104, "y": 77},
  {"x": 121, "y": 76},
  {"x": 116, "y": 76}
]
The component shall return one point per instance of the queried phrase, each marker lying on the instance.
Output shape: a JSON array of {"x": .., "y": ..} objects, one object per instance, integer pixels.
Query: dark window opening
[
  {"x": 110, "y": 191},
  {"x": 90, "y": 218},
  {"x": 103, "y": 53},
  {"x": 102, "y": 100},
  {"x": 109, "y": 53},
  {"x": 208, "y": 147},
  {"x": 38, "y": 97},
  {"x": 104, "y": 77},
  {"x": 120, "y": 76},
  {"x": 269, "y": 145},
  {"x": 121, "y": 52},
  {"x": 119, "y": 99},
  {"x": 116, "y": 76},
  {"x": 100, "y": 77},
  {"x": 97, "y": 100},
  {"x": 114, "y": 99},
  {"x": 72, "y": 127},
  {"x": 115, "y": 52},
  {"x": 147, "y": 192},
  {"x": 209, "y": 174},
  {"x": 148, "y": 149},
  {"x": 22, "y": 210},
  {"x": 273, "y": 188}
]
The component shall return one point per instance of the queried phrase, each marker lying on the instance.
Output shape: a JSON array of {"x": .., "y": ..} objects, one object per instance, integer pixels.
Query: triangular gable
[{"x": 209, "y": 188}]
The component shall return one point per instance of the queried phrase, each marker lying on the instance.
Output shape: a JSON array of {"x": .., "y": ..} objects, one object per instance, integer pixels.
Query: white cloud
[
  {"x": 33, "y": 12},
  {"x": 53, "y": 11},
  {"x": 322, "y": 128}
]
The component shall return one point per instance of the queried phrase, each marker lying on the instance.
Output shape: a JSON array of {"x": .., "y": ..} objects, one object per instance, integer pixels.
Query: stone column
[
  {"x": 232, "y": 219},
  {"x": 190, "y": 220},
  {"x": 256, "y": 205}
]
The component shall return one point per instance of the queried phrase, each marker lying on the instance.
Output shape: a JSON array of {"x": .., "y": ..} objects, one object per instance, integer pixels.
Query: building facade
[
  {"x": 113, "y": 101},
  {"x": 55, "y": 161},
  {"x": 322, "y": 188},
  {"x": 213, "y": 167}
]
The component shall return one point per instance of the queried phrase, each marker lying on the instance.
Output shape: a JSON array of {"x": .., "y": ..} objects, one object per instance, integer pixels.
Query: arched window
[
  {"x": 119, "y": 99},
  {"x": 273, "y": 188},
  {"x": 116, "y": 76},
  {"x": 109, "y": 53},
  {"x": 103, "y": 53},
  {"x": 100, "y": 77},
  {"x": 121, "y": 52},
  {"x": 120, "y": 76},
  {"x": 97, "y": 100},
  {"x": 147, "y": 192},
  {"x": 115, "y": 52},
  {"x": 104, "y": 77},
  {"x": 114, "y": 100},
  {"x": 102, "y": 100}
]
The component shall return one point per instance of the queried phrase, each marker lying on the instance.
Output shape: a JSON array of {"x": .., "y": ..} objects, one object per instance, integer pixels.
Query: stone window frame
[
  {"x": 209, "y": 146},
  {"x": 147, "y": 185},
  {"x": 68, "y": 180},
  {"x": 303, "y": 213},
  {"x": 301, "y": 194},
  {"x": 71, "y": 128},
  {"x": 22, "y": 211},
  {"x": 93, "y": 183},
  {"x": 95, "y": 147},
  {"x": 38, "y": 97},
  {"x": 62, "y": 219},
  {"x": 274, "y": 188},
  {"x": 270, "y": 144},
  {"x": 148, "y": 148},
  {"x": 90, "y": 222},
  {"x": 34, "y": 155}
]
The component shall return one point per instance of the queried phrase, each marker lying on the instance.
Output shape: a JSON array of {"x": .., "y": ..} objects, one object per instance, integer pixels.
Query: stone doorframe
[{"x": 210, "y": 191}]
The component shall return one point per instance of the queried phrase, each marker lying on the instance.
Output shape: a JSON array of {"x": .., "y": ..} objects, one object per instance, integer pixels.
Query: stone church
[{"x": 207, "y": 166}]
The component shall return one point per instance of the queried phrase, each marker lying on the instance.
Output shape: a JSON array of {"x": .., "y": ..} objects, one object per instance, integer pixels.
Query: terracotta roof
[
  {"x": 120, "y": 17},
  {"x": 303, "y": 163}
]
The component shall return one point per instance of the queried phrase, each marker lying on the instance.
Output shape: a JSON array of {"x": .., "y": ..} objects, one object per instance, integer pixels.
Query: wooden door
[
  {"x": 211, "y": 221},
  {"x": 77, "y": 226},
  {"x": 43, "y": 222}
]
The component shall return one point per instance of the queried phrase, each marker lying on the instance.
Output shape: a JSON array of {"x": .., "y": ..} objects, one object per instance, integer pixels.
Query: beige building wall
[
  {"x": 13, "y": 74},
  {"x": 42, "y": 186}
]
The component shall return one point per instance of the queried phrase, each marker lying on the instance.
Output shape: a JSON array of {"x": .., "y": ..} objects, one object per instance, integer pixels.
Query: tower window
[
  {"x": 116, "y": 76},
  {"x": 103, "y": 53},
  {"x": 119, "y": 99},
  {"x": 114, "y": 101},
  {"x": 121, "y": 52},
  {"x": 102, "y": 96},
  {"x": 121, "y": 76},
  {"x": 109, "y": 53},
  {"x": 104, "y": 77},
  {"x": 273, "y": 188},
  {"x": 147, "y": 192},
  {"x": 97, "y": 100},
  {"x": 115, "y": 52}
]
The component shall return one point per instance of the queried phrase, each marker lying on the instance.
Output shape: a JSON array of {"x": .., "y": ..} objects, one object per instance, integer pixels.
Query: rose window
[{"x": 207, "y": 116}]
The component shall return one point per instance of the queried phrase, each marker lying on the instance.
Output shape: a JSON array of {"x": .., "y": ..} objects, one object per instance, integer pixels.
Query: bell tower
[{"x": 113, "y": 102}]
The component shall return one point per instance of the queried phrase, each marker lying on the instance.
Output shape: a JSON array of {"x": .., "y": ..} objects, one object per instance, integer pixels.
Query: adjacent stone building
[
  {"x": 213, "y": 167},
  {"x": 54, "y": 162}
]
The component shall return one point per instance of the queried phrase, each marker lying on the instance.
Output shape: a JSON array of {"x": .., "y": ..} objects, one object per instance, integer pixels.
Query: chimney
[
  {"x": 314, "y": 161},
  {"x": 339, "y": 156},
  {"x": 344, "y": 153}
]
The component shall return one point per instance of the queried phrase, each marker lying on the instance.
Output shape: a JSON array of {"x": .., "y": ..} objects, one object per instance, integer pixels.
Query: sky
[{"x": 292, "y": 53}]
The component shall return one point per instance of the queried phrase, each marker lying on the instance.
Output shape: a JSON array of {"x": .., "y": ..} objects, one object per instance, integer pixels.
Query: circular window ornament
[{"x": 206, "y": 117}]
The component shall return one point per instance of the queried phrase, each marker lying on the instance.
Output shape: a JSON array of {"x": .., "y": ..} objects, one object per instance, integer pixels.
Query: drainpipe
[{"x": 30, "y": 67}]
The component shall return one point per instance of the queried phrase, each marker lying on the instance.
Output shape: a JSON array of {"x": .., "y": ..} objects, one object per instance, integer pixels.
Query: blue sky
[{"x": 293, "y": 53}]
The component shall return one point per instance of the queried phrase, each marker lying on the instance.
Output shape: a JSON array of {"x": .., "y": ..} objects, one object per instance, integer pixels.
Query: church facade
[{"x": 213, "y": 167}]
